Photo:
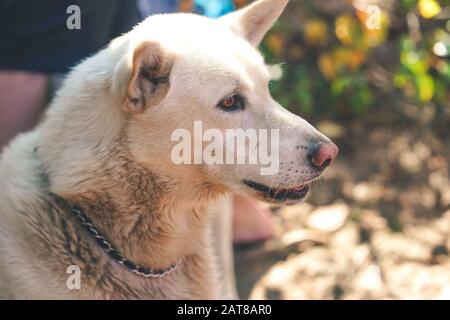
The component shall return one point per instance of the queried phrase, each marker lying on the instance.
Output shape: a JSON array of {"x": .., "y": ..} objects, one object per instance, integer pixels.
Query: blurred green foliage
[{"x": 342, "y": 56}]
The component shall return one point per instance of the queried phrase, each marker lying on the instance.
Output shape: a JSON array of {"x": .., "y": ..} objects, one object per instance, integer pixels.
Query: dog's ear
[
  {"x": 253, "y": 21},
  {"x": 144, "y": 79}
]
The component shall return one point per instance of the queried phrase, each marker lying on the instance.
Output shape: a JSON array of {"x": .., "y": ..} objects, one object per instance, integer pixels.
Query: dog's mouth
[{"x": 276, "y": 195}]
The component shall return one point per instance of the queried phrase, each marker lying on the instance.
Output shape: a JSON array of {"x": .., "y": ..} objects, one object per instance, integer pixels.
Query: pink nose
[{"x": 324, "y": 154}]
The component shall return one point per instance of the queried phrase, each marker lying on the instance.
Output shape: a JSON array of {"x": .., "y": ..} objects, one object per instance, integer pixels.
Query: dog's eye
[{"x": 232, "y": 103}]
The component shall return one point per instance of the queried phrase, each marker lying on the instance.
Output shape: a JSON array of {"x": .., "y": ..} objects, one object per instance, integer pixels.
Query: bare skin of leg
[
  {"x": 22, "y": 96},
  {"x": 252, "y": 220}
]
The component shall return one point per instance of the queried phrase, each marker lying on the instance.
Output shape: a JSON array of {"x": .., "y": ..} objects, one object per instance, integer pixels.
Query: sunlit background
[{"x": 374, "y": 76}]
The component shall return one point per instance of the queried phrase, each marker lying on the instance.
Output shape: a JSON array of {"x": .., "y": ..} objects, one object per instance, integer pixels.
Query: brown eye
[
  {"x": 229, "y": 102},
  {"x": 232, "y": 103}
]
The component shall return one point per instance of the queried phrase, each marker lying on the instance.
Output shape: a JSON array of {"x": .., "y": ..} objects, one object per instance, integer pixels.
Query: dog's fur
[{"x": 105, "y": 146}]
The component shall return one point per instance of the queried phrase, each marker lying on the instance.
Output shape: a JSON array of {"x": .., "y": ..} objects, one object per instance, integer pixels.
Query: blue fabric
[
  {"x": 148, "y": 7},
  {"x": 214, "y": 8},
  {"x": 34, "y": 35},
  {"x": 209, "y": 8}
]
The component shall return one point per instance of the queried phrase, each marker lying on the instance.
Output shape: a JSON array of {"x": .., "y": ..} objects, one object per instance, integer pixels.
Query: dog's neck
[
  {"x": 149, "y": 215},
  {"x": 150, "y": 218}
]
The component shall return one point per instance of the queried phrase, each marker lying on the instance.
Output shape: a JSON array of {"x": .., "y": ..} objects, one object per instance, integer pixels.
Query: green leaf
[{"x": 425, "y": 87}]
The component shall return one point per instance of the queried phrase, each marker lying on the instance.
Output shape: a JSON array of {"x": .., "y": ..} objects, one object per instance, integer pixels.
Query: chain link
[{"x": 113, "y": 253}]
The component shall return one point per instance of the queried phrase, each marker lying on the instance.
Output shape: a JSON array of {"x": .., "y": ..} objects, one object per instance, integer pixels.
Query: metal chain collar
[{"x": 113, "y": 253}]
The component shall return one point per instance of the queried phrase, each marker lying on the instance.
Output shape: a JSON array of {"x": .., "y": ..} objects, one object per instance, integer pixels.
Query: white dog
[{"x": 94, "y": 191}]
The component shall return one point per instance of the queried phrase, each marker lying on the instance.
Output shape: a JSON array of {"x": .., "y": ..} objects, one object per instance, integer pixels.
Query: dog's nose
[{"x": 323, "y": 154}]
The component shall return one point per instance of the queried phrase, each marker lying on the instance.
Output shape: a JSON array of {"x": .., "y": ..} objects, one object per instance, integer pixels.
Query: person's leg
[
  {"x": 22, "y": 96},
  {"x": 252, "y": 220}
]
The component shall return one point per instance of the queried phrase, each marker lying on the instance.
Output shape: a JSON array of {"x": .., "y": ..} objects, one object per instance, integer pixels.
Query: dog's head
[{"x": 192, "y": 86}]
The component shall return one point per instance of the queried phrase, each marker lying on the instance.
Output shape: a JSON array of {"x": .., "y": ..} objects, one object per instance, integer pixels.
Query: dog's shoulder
[
  {"x": 21, "y": 173},
  {"x": 21, "y": 182}
]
